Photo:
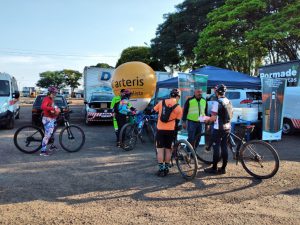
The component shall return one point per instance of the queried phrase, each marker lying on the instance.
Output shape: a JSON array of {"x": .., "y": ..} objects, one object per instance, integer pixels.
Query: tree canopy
[{"x": 51, "y": 78}]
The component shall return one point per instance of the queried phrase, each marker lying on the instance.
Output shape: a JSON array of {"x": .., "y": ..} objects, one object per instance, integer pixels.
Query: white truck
[
  {"x": 291, "y": 106},
  {"x": 9, "y": 100},
  {"x": 98, "y": 94}
]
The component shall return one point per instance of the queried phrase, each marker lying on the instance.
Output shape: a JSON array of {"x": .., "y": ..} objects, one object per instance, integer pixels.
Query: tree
[
  {"x": 71, "y": 79},
  {"x": 104, "y": 65},
  {"x": 177, "y": 36},
  {"x": 242, "y": 32},
  {"x": 51, "y": 78},
  {"x": 142, "y": 54}
]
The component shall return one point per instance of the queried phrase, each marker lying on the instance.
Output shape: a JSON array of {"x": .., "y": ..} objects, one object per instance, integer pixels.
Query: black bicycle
[
  {"x": 258, "y": 158},
  {"x": 186, "y": 159},
  {"x": 28, "y": 139},
  {"x": 134, "y": 130}
]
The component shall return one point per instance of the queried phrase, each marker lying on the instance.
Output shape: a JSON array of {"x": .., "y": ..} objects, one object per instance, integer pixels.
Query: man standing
[
  {"x": 193, "y": 108},
  {"x": 221, "y": 116},
  {"x": 169, "y": 114},
  {"x": 116, "y": 99}
]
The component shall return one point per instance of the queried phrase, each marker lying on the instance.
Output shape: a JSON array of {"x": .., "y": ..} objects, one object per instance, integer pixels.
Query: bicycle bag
[{"x": 166, "y": 112}]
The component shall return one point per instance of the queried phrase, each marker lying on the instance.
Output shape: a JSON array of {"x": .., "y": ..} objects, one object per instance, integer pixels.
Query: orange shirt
[{"x": 176, "y": 114}]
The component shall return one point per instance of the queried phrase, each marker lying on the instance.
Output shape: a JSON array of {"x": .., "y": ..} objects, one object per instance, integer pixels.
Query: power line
[{"x": 22, "y": 52}]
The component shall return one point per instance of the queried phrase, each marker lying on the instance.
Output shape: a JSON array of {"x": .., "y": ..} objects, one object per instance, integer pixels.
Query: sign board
[{"x": 272, "y": 103}]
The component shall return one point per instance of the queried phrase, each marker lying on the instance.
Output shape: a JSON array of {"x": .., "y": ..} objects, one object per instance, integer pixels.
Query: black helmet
[
  {"x": 126, "y": 93},
  {"x": 175, "y": 93},
  {"x": 221, "y": 89}
]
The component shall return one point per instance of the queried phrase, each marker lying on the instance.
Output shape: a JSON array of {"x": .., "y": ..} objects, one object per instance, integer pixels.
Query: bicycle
[
  {"x": 257, "y": 157},
  {"x": 28, "y": 139},
  {"x": 131, "y": 131},
  {"x": 186, "y": 159}
]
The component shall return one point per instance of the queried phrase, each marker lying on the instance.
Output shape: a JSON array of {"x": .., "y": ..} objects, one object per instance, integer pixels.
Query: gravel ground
[{"x": 102, "y": 184}]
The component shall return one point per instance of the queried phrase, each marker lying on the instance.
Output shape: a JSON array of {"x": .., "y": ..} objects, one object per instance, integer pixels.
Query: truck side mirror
[{"x": 16, "y": 95}]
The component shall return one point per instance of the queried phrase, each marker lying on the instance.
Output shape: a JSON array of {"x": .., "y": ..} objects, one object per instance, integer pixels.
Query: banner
[
  {"x": 272, "y": 103},
  {"x": 188, "y": 83},
  {"x": 289, "y": 70}
]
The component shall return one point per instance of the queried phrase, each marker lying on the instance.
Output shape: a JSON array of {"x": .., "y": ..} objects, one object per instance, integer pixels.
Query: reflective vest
[{"x": 196, "y": 109}]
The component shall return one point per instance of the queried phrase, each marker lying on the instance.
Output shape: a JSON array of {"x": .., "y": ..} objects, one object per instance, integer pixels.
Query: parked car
[
  {"x": 97, "y": 108},
  {"x": 9, "y": 100},
  {"x": 59, "y": 101}
]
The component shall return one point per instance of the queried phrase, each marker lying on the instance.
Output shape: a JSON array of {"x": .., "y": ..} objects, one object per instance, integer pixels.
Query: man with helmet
[
  {"x": 166, "y": 131},
  {"x": 193, "y": 108},
  {"x": 124, "y": 109},
  {"x": 50, "y": 113},
  {"x": 221, "y": 115}
]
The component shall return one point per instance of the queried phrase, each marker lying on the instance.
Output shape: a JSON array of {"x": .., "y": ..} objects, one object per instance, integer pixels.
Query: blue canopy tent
[{"x": 217, "y": 76}]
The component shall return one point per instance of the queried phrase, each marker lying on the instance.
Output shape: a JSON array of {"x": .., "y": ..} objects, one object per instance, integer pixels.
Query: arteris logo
[{"x": 125, "y": 83}]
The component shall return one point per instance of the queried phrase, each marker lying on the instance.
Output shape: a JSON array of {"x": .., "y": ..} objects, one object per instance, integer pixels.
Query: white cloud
[{"x": 16, "y": 59}]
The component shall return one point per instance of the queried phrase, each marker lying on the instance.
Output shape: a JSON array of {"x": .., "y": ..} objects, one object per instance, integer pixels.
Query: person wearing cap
[
  {"x": 221, "y": 114},
  {"x": 193, "y": 108},
  {"x": 166, "y": 132},
  {"x": 114, "y": 101},
  {"x": 50, "y": 113}
]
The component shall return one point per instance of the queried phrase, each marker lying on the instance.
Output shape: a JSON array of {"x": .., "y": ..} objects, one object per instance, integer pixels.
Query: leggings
[{"x": 49, "y": 125}]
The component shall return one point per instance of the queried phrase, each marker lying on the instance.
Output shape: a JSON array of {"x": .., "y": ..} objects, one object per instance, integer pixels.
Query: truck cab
[
  {"x": 9, "y": 100},
  {"x": 97, "y": 108}
]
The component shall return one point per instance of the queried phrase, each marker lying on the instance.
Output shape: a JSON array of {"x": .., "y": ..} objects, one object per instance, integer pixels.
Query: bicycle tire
[
  {"x": 185, "y": 155},
  {"x": 35, "y": 130},
  {"x": 66, "y": 130},
  {"x": 203, "y": 148},
  {"x": 258, "y": 154},
  {"x": 128, "y": 137}
]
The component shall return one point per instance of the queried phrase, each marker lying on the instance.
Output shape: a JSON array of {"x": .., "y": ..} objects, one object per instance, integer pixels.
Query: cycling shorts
[{"x": 165, "y": 138}]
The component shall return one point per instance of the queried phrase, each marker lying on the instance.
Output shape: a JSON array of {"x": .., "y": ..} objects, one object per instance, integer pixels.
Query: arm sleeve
[
  {"x": 185, "y": 109},
  {"x": 113, "y": 102},
  {"x": 45, "y": 106}
]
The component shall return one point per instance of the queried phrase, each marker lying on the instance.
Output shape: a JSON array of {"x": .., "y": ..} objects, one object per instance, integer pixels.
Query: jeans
[
  {"x": 219, "y": 138},
  {"x": 193, "y": 128}
]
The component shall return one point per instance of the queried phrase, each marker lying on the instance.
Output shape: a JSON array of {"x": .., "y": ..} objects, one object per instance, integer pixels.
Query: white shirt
[{"x": 214, "y": 108}]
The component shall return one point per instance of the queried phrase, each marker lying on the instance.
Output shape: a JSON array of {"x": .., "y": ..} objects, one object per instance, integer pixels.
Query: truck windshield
[
  {"x": 4, "y": 88},
  {"x": 101, "y": 98}
]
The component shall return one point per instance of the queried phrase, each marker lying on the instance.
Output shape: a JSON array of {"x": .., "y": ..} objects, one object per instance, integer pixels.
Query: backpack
[
  {"x": 225, "y": 112},
  {"x": 166, "y": 112}
]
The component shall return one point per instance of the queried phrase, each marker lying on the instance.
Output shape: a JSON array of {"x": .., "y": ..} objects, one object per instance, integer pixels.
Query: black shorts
[{"x": 165, "y": 138}]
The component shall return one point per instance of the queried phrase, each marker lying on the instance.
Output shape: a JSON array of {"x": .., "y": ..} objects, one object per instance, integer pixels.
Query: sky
[{"x": 48, "y": 35}]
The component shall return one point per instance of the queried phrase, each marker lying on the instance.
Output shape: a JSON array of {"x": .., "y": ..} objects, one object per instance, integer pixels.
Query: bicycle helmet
[
  {"x": 221, "y": 89},
  {"x": 53, "y": 90},
  {"x": 126, "y": 93},
  {"x": 175, "y": 93}
]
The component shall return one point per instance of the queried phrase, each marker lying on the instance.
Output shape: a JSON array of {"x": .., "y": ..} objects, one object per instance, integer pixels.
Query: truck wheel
[
  {"x": 288, "y": 127},
  {"x": 11, "y": 123}
]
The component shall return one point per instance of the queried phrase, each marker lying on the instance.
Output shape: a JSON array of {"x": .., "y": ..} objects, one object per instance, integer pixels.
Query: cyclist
[
  {"x": 193, "y": 108},
  {"x": 221, "y": 114},
  {"x": 166, "y": 131},
  {"x": 124, "y": 109},
  {"x": 50, "y": 113},
  {"x": 116, "y": 99}
]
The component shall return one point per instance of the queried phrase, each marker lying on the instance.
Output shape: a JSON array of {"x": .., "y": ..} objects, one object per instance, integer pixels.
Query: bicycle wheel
[
  {"x": 203, "y": 148},
  {"x": 72, "y": 138},
  {"x": 259, "y": 159},
  {"x": 186, "y": 159},
  {"x": 28, "y": 139},
  {"x": 128, "y": 137}
]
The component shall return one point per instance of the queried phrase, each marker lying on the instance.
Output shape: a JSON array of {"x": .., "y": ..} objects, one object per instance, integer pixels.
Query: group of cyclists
[{"x": 170, "y": 113}]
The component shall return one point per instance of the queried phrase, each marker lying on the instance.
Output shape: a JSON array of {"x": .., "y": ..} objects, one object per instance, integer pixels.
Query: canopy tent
[{"x": 217, "y": 76}]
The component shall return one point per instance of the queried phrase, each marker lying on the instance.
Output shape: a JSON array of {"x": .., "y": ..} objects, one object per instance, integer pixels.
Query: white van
[
  {"x": 291, "y": 110},
  {"x": 9, "y": 100}
]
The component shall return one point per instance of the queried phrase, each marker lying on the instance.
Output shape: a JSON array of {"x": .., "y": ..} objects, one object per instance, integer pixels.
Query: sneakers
[
  {"x": 211, "y": 170},
  {"x": 45, "y": 153},
  {"x": 160, "y": 173},
  {"x": 53, "y": 148},
  {"x": 119, "y": 144},
  {"x": 221, "y": 170}
]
